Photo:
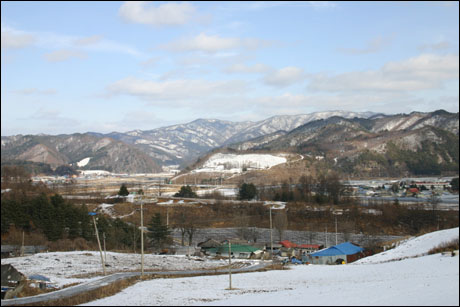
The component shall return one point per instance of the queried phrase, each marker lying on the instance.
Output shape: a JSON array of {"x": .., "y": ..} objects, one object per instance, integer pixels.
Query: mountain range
[{"x": 337, "y": 134}]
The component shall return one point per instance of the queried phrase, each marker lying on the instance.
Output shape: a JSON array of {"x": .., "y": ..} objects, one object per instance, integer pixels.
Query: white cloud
[
  {"x": 35, "y": 91},
  {"x": 243, "y": 68},
  {"x": 182, "y": 91},
  {"x": 64, "y": 55},
  {"x": 150, "y": 62},
  {"x": 284, "y": 76},
  {"x": 291, "y": 103},
  {"x": 256, "y": 5},
  {"x": 214, "y": 43},
  {"x": 90, "y": 40},
  {"x": 373, "y": 46},
  {"x": 169, "y": 13},
  {"x": 15, "y": 39},
  {"x": 426, "y": 71}
]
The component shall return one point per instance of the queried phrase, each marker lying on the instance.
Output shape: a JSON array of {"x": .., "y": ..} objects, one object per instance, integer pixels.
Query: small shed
[
  {"x": 12, "y": 281},
  {"x": 40, "y": 281},
  {"x": 344, "y": 252}
]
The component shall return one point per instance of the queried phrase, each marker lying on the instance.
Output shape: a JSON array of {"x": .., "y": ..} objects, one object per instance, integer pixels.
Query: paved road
[{"x": 88, "y": 286}]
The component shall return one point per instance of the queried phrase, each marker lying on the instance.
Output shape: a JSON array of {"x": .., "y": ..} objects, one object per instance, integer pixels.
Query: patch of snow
[
  {"x": 234, "y": 163},
  {"x": 83, "y": 162},
  {"x": 106, "y": 208},
  {"x": 275, "y": 204},
  {"x": 95, "y": 173},
  {"x": 169, "y": 202}
]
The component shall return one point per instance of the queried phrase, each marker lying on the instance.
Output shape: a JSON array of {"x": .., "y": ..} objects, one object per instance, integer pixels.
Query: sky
[{"x": 80, "y": 66}]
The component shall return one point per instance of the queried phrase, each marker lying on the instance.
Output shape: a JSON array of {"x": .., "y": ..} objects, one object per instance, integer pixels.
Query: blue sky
[{"x": 84, "y": 66}]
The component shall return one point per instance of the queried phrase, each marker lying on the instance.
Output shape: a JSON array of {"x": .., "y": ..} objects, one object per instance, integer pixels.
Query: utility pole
[
  {"x": 230, "y": 264},
  {"x": 22, "y": 247},
  {"x": 105, "y": 251},
  {"x": 271, "y": 232},
  {"x": 336, "y": 230},
  {"x": 142, "y": 237},
  {"x": 167, "y": 216},
  {"x": 326, "y": 235},
  {"x": 134, "y": 238},
  {"x": 98, "y": 241},
  {"x": 159, "y": 187}
]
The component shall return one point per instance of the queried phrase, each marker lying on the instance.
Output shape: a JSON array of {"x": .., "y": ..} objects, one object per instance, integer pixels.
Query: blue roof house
[{"x": 344, "y": 252}]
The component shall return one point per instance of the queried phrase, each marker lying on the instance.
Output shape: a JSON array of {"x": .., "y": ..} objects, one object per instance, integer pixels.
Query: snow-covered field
[
  {"x": 62, "y": 267},
  {"x": 424, "y": 280},
  {"x": 233, "y": 163},
  {"x": 404, "y": 275}
]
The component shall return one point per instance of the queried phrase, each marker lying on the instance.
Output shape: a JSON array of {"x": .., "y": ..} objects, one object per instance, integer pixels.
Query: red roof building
[{"x": 288, "y": 244}]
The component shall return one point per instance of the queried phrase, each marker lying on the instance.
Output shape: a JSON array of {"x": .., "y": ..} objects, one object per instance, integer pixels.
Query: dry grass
[
  {"x": 445, "y": 247},
  {"x": 28, "y": 290},
  {"x": 85, "y": 297}
]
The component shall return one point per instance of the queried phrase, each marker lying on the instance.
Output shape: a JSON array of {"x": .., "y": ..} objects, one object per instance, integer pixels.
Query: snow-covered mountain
[
  {"x": 184, "y": 143},
  {"x": 289, "y": 122}
]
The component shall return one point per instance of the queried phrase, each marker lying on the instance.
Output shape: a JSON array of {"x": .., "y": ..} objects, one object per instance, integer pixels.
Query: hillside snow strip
[{"x": 234, "y": 163}]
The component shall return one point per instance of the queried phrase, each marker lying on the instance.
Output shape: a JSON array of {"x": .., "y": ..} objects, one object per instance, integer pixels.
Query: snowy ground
[
  {"x": 232, "y": 163},
  {"x": 62, "y": 267},
  {"x": 376, "y": 280}
]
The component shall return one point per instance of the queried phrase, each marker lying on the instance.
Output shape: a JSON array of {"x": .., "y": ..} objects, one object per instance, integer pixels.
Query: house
[
  {"x": 12, "y": 281},
  {"x": 310, "y": 248},
  {"x": 237, "y": 251},
  {"x": 288, "y": 244},
  {"x": 205, "y": 246},
  {"x": 16, "y": 250},
  {"x": 290, "y": 248},
  {"x": 344, "y": 252},
  {"x": 412, "y": 192},
  {"x": 9, "y": 251}
]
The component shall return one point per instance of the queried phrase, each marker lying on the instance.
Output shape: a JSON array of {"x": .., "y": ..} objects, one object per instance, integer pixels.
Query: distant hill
[
  {"x": 346, "y": 138},
  {"x": 384, "y": 145},
  {"x": 100, "y": 153}
]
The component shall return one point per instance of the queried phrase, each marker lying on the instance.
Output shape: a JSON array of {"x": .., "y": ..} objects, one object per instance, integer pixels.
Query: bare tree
[
  {"x": 280, "y": 223},
  {"x": 187, "y": 221}
]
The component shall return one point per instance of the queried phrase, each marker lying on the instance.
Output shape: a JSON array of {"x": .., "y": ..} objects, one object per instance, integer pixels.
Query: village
[{"x": 211, "y": 247}]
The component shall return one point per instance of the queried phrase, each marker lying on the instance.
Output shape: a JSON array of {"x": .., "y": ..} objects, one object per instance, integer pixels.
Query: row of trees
[
  {"x": 324, "y": 189},
  {"x": 57, "y": 219}
]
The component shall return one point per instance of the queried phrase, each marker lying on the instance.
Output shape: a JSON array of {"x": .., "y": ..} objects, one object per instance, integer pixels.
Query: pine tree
[
  {"x": 123, "y": 190},
  {"x": 158, "y": 232},
  {"x": 247, "y": 191},
  {"x": 186, "y": 191}
]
